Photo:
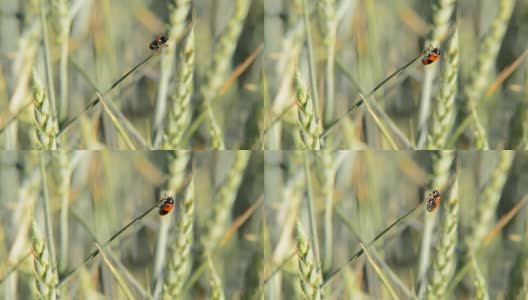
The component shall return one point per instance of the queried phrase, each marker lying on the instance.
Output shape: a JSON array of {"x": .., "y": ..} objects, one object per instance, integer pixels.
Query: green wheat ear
[
  {"x": 218, "y": 69},
  {"x": 444, "y": 259},
  {"x": 308, "y": 127},
  {"x": 309, "y": 275},
  {"x": 444, "y": 107},
  {"x": 180, "y": 259},
  {"x": 479, "y": 77},
  {"x": 217, "y": 290},
  {"x": 180, "y": 112},
  {"x": 479, "y": 282},
  {"x": 45, "y": 277},
  {"x": 46, "y": 125}
]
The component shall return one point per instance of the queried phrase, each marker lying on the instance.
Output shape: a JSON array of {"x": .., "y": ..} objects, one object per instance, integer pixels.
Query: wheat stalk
[
  {"x": 518, "y": 280},
  {"x": 217, "y": 137},
  {"x": 481, "y": 290},
  {"x": 62, "y": 175},
  {"x": 217, "y": 291},
  {"x": 224, "y": 199},
  {"x": 326, "y": 172},
  {"x": 488, "y": 200},
  {"x": 287, "y": 213},
  {"x": 291, "y": 48},
  {"x": 61, "y": 22},
  {"x": 486, "y": 58},
  {"x": 215, "y": 76},
  {"x": 328, "y": 20}
]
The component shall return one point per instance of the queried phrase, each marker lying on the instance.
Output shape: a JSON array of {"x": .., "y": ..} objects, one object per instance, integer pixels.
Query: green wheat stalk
[
  {"x": 224, "y": 199},
  {"x": 180, "y": 113},
  {"x": 488, "y": 200},
  {"x": 28, "y": 42},
  {"x": 309, "y": 128},
  {"x": 287, "y": 214},
  {"x": 47, "y": 58},
  {"x": 61, "y": 22},
  {"x": 518, "y": 281},
  {"x": 444, "y": 109},
  {"x": 178, "y": 11},
  {"x": 326, "y": 172},
  {"x": 45, "y": 276},
  {"x": 46, "y": 125},
  {"x": 480, "y": 285},
  {"x": 311, "y": 60},
  {"x": 217, "y": 291},
  {"x": 217, "y": 71},
  {"x": 217, "y": 136},
  {"x": 180, "y": 259},
  {"x": 286, "y": 67},
  {"x": 310, "y": 276},
  {"x": 486, "y": 58},
  {"x": 524, "y": 119},
  {"x": 176, "y": 168},
  {"x": 442, "y": 163},
  {"x": 442, "y": 12},
  {"x": 62, "y": 174},
  {"x": 444, "y": 260},
  {"x": 328, "y": 21}
]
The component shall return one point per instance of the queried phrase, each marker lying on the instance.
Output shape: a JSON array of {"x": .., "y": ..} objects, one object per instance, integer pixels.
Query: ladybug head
[{"x": 168, "y": 200}]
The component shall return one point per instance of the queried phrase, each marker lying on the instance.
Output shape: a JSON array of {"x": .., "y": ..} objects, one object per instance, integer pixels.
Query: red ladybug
[
  {"x": 166, "y": 206},
  {"x": 433, "y": 201},
  {"x": 431, "y": 55},
  {"x": 158, "y": 43}
]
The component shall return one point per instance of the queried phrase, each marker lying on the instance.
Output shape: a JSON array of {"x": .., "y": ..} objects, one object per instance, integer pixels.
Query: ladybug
[
  {"x": 433, "y": 201},
  {"x": 431, "y": 55},
  {"x": 166, "y": 206},
  {"x": 158, "y": 43}
]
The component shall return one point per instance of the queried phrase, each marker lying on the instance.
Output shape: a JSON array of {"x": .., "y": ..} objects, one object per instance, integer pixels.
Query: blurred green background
[
  {"x": 355, "y": 195},
  {"x": 374, "y": 39},
  {"x": 106, "y": 191},
  {"x": 106, "y": 40}
]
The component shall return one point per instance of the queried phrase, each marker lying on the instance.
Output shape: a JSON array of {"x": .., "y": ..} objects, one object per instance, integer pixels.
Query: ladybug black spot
[{"x": 158, "y": 43}]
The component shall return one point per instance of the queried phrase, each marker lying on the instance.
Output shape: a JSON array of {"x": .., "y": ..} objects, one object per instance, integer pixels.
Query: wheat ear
[
  {"x": 489, "y": 199},
  {"x": 444, "y": 259},
  {"x": 444, "y": 107},
  {"x": 309, "y": 274},
  {"x": 487, "y": 55},
  {"x": 45, "y": 123},
  {"x": 180, "y": 112},
  {"x": 308, "y": 127},
  {"x": 45, "y": 276},
  {"x": 180, "y": 259}
]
